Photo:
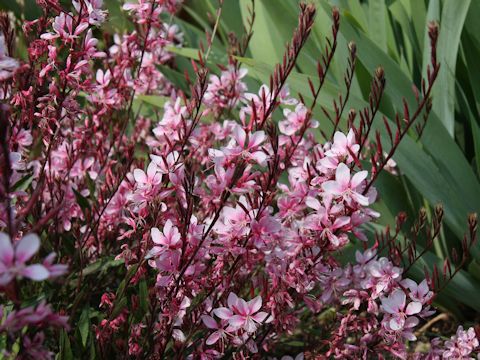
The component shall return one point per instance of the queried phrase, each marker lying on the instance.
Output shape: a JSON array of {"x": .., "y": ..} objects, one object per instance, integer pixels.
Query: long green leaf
[{"x": 454, "y": 13}]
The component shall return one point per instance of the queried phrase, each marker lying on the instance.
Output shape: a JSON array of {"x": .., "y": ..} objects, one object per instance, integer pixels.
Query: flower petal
[
  {"x": 232, "y": 298},
  {"x": 313, "y": 203},
  {"x": 358, "y": 178},
  {"x": 332, "y": 187},
  {"x": 413, "y": 308},
  {"x": 396, "y": 323},
  {"x": 256, "y": 139},
  {"x": 140, "y": 176},
  {"x": 151, "y": 170},
  {"x": 213, "y": 338},
  {"x": 242, "y": 307},
  {"x": 26, "y": 248},
  {"x": 156, "y": 236},
  {"x": 6, "y": 249},
  {"x": 260, "y": 317},
  {"x": 223, "y": 313},
  {"x": 255, "y": 304},
  {"x": 5, "y": 278},
  {"x": 209, "y": 322},
  {"x": 237, "y": 320},
  {"x": 342, "y": 175},
  {"x": 35, "y": 272},
  {"x": 240, "y": 135}
]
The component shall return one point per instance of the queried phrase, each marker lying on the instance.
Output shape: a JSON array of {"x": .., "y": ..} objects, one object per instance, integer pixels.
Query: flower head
[{"x": 13, "y": 259}]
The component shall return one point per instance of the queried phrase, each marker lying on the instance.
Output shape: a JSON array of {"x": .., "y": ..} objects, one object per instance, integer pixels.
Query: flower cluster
[
  {"x": 12, "y": 269},
  {"x": 208, "y": 226},
  {"x": 381, "y": 304},
  {"x": 13, "y": 261}
]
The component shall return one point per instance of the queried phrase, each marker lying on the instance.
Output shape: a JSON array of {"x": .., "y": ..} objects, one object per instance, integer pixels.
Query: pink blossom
[
  {"x": 13, "y": 259},
  {"x": 246, "y": 145},
  {"x": 218, "y": 334},
  {"x": 8, "y": 65},
  {"x": 384, "y": 276},
  {"x": 345, "y": 187},
  {"x": 400, "y": 313},
  {"x": 295, "y": 120},
  {"x": 225, "y": 91},
  {"x": 420, "y": 293},
  {"x": 63, "y": 27},
  {"x": 321, "y": 221},
  {"x": 461, "y": 345},
  {"x": 241, "y": 314},
  {"x": 149, "y": 179},
  {"x": 167, "y": 249},
  {"x": 170, "y": 238},
  {"x": 93, "y": 8},
  {"x": 343, "y": 147},
  {"x": 167, "y": 164},
  {"x": 40, "y": 315},
  {"x": 54, "y": 269}
]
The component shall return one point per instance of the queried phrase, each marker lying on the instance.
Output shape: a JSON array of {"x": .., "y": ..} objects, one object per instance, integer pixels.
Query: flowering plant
[{"x": 201, "y": 222}]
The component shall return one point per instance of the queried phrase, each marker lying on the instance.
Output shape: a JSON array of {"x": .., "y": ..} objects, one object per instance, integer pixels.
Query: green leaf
[
  {"x": 476, "y": 139},
  {"x": 418, "y": 14},
  {"x": 84, "y": 325},
  {"x": 11, "y": 5},
  {"x": 177, "y": 78},
  {"x": 102, "y": 265},
  {"x": 65, "y": 347},
  {"x": 81, "y": 200},
  {"x": 267, "y": 44},
  {"x": 377, "y": 23},
  {"x": 143, "y": 295},
  {"x": 155, "y": 100},
  {"x": 31, "y": 10},
  {"x": 454, "y": 13},
  {"x": 119, "y": 305},
  {"x": 23, "y": 183}
]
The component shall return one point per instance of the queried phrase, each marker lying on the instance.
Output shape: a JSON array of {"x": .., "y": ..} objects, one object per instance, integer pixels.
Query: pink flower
[
  {"x": 246, "y": 145},
  {"x": 170, "y": 238},
  {"x": 41, "y": 315},
  {"x": 149, "y": 179},
  {"x": 400, "y": 316},
  {"x": 383, "y": 276},
  {"x": 90, "y": 46},
  {"x": 241, "y": 314},
  {"x": 63, "y": 26},
  {"x": 346, "y": 187},
  {"x": 54, "y": 269},
  {"x": 219, "y": 332},
  {"x": 320, "y": 221},
  {"x": 8, "y": 65},
  {"x": 167, "y": 164},
  {"x": 235, "y": 222},
  {"x": 225, "y": 91},
  {"x": 96, "y": 16},
  {"x": 461, "y": 345},
  {"x": 420, "y": 292},
  {"x": 343, "y": 146},
  {"x": 334, "y": 283},
  {"x": 13, "y": 259},
  {"x": 167, "y": 253},
  {"x": 295, "y": 120}
]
